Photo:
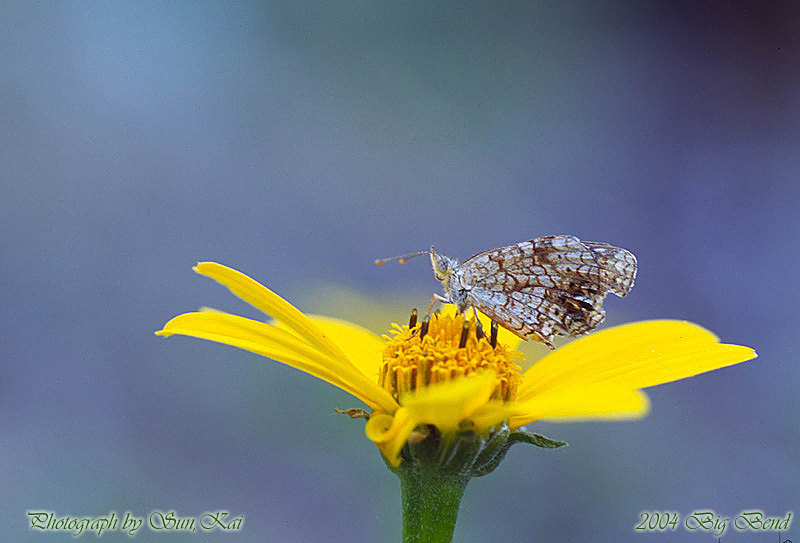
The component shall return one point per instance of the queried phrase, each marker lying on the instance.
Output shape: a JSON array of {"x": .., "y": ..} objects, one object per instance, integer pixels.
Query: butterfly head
[{"x": 443, "y": 268}]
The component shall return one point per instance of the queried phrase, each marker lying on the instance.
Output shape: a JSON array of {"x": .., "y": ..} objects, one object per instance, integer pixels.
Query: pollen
[{"x": 442, "y": 349}]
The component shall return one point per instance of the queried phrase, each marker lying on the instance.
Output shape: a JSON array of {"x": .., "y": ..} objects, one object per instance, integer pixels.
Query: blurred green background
[{"x": 298, "y": 141}]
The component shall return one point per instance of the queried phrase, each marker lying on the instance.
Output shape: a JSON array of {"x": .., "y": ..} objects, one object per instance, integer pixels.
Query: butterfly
[{"x": 537, "y": 289}]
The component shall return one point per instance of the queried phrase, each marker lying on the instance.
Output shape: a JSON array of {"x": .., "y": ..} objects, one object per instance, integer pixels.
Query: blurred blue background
[{"x": 297, "y": 142}]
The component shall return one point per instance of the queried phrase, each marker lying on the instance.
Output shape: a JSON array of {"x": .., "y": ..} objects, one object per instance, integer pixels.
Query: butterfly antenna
[{"x": 402, "y": 259}]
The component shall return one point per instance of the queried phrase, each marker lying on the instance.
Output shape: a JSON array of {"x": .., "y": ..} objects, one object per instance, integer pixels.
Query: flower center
[{"x": 444, "y": 349}]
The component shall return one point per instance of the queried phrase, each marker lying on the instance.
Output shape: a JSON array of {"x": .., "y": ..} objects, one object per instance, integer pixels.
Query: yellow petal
[
  {"x": 596, "y": 402},
  {"x": 492, "y": 414},
  {"x": 580, "y": 404},
  {"x": 270, "y": 303},
  {"x": 362, "y": 347},
  {"x": 444, "y": 406},
  {"x": 390, "y": 433},
  {"x": 278, "y": 344},
  {"x": 632, "y": 356}
]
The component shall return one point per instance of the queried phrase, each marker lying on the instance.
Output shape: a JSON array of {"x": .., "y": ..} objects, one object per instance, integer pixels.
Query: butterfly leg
[
  {"x": 434, "y": 298},
  {"x": 478, "y": 326}
]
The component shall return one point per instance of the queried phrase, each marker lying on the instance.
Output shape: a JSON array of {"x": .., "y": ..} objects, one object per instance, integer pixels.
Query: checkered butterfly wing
[{"x": 548, "y": 286}]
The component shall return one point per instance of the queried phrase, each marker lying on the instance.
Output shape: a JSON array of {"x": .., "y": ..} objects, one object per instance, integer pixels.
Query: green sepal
[
  {"x": 493, "y": 452},
  {"x": 488, "y": 462},
  {"x": 535, "y": 439}
]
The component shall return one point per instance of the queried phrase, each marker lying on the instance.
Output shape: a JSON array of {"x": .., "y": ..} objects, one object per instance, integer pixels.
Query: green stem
[{"x": 430, "y": 503}]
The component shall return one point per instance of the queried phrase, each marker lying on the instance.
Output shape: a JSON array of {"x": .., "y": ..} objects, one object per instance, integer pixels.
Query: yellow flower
[{"x": 439, "y": 374}]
